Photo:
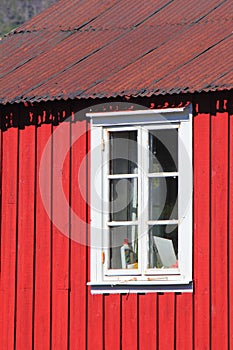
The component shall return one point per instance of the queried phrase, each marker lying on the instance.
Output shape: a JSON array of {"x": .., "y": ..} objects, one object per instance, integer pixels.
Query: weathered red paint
[
  {"x": 147, "y": 309},
  {"x": 112, "y": 325},
  {"x": 201, "y": 230},
  {"x": 60, "y": 245},
  {"x": 9, "y": 237},
  {"x": 45, "y": 302},
  {"x": 130, "y": 317},
  {"x": 78, "y": 252},
  {"x": 184, "y": 321},
  {"x": 166, "y": 306},
  {"x": 25, "y": 238},
  {"x": 219, "y": 230},
  {"x": 43, "y": 253},
  {"x": 230, "y": 225}
]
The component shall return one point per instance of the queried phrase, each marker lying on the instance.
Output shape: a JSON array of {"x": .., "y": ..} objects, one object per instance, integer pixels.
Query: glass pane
[
  {"x": 124, "y": 247},
  {"x": 163, "y": 146},
  {"x": 123, "y": 152},
  {"x": 163, "y": 246},
  {"x": 123, "y": 199},
  {"x": 163, "y": 195}
]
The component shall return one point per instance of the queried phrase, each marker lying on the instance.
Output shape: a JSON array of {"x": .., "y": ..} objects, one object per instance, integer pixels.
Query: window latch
[{"x": 102, "y": 145}]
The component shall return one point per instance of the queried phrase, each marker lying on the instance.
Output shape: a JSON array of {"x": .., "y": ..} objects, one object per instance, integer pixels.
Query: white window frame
[{"x": 139, "y": 280}]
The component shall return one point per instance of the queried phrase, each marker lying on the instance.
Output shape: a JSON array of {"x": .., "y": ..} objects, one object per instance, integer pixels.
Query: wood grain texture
[
  {"x": 78, "y": 248},
  {"x": 201, "y": 234},
  {"x": 45, "y": 301},
  {"x": 112, "y": 322},
  {"x": 184, "y": 322},
  {"x": 25, "y": 242},
  {"x": 219, "y": 231},
  {"x": 42, "y": 305},
  {"x": 147, "y": 321},
  {"x": 60, "y": 236},
  {"x": 166, "y": 321},
  {"x": 95, "y": 321},
  {"x": 130, "y": 317},
  {"x": 8, "y": 237},
  {"x": 230, "y": 225}
]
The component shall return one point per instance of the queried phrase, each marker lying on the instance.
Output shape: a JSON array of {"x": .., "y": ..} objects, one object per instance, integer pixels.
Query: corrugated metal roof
[{"x": 83, "y": 49}]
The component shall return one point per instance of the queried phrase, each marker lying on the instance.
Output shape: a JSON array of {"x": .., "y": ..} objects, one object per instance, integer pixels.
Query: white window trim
[{"x": 114, "y": 281}]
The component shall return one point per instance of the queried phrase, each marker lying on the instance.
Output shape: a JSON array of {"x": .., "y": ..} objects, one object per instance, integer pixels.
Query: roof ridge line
[{"x": 105, "y": 28}]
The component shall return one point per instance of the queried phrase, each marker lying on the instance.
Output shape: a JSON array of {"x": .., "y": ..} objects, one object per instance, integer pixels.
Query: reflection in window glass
[
  {"x": 124, "y": 247},
  {"x": 160, "y": 255},
  {"x": 123, "y": 199},
  {"x": 163, "y": 155},
  {"x": 123, "y": 152},
  {"x": 163, "y": 192}
]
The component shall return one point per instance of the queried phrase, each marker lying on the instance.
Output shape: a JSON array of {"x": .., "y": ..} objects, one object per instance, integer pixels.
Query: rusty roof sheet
[{"x": 95, "y": 48}]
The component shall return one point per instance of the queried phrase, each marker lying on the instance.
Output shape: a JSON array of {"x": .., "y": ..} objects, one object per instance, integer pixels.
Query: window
[{"x": 141, "y": 200}]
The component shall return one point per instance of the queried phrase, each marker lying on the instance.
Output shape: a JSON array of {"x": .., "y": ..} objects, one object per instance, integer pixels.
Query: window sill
[{"x": 140, "y": 287}]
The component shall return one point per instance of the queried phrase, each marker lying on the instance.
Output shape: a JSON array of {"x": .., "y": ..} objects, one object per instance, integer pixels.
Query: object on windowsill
[
  {"x": 132, "y": 266},
  {"x": 127, "y": 256},
  {"x": 166, "y": 251}
]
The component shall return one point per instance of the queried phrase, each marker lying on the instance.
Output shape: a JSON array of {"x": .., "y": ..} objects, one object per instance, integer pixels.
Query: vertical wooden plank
[
  {"x": 148, "y": 321},
  {"x": 24, "y": 308},
  {"x": 8, "y": 236},
  {"x": 78, "y": 248},
  {"x": 230, "y": 199},
  {"x": 201, "y": 235},
  {"x": 95, "y": 322},
  {"x": 166, "y": 321},
  {"x": 43, "y": 245},
  {"x": 112, "y": 322},
  {"x": 130, "y": 321},
  {"x": 60, "y": 235},
  {"x": 184, "y": 321},
  {"x": 1, "y": 153},
  {"x": 219, "y": 231}
]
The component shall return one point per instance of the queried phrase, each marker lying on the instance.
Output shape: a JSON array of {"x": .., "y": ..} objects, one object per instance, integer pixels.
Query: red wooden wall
[{"x": 45, "y": 302}]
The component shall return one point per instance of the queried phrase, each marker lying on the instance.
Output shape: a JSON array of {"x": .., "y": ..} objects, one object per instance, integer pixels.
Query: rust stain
[{"x": 97, "y": 49}]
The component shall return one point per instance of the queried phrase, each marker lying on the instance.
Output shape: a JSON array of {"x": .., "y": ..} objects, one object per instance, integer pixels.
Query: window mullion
[
  {"x": 185, "y": 198},
  {"x": 106, "y": 203},
  {"x": 139, "y": 199},
  {"x": 143, "y": 166}
]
